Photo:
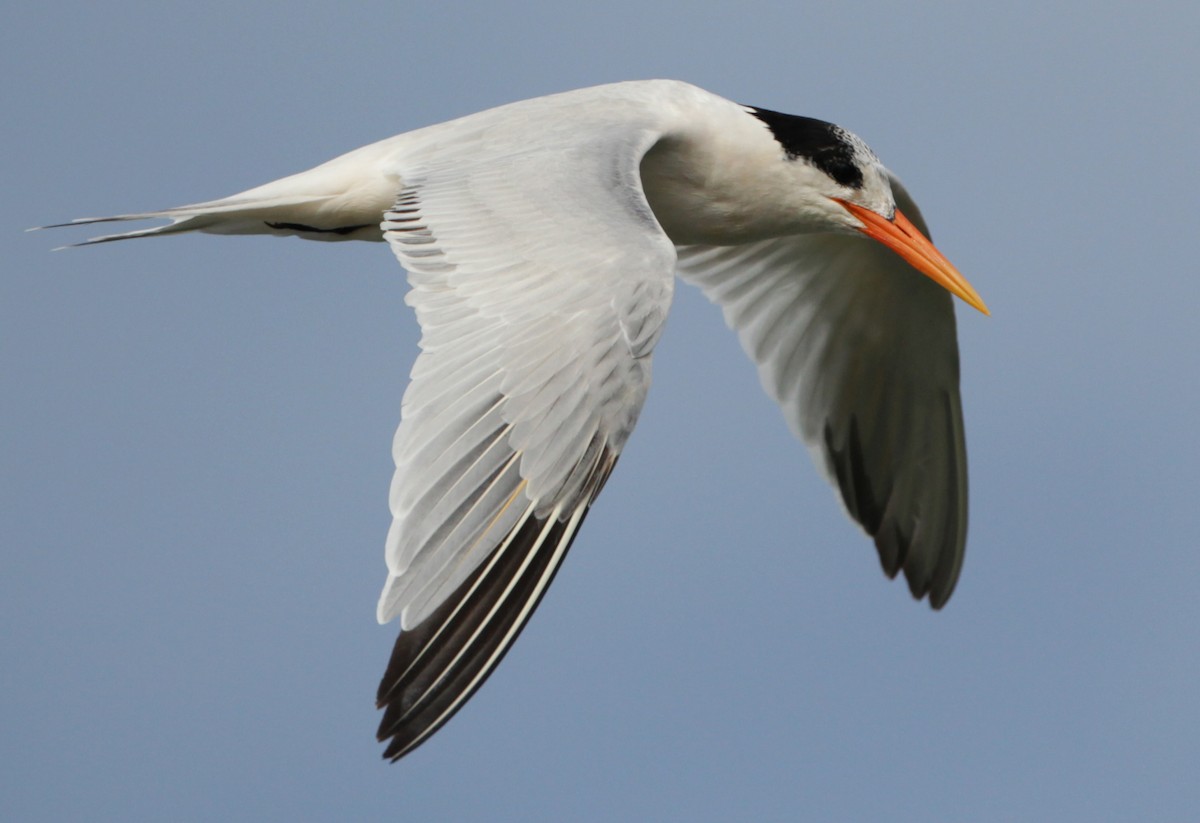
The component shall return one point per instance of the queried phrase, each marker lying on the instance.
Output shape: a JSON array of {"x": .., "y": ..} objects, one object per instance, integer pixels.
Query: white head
[
  {"x": 846, "y": 190},
  {"x": 831, "y": 164}
]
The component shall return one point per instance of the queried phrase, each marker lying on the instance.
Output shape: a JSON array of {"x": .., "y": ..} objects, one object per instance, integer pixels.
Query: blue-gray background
[{"x": 196, "y": 437}]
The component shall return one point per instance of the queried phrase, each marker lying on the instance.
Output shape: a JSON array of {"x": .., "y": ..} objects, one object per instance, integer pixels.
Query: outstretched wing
[
  {"x": 859, "y": 349},
  {"x": 541, "y": 280}
]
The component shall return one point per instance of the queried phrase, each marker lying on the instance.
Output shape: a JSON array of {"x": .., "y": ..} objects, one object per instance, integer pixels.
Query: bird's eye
[{"x": 840, "y": 168}]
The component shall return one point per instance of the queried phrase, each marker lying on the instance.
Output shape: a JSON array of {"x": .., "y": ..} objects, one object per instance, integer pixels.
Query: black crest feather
[{"x": 823, "y": 144}]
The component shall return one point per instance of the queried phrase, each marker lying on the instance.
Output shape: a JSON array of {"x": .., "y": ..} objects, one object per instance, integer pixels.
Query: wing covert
[{"x": 540, "y": 279}]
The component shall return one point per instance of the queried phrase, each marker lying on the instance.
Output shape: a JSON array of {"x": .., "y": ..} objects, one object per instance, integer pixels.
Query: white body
[{"x": 541, "y": 240}]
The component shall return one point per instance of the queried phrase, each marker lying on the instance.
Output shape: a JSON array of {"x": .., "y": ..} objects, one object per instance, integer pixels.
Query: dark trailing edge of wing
[
  {"x": 315, "y": 230},
  {"x": 436, "y": 666}
]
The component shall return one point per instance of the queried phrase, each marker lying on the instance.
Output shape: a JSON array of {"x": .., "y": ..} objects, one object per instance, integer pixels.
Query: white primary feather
[{"x": 541, "y": 281}]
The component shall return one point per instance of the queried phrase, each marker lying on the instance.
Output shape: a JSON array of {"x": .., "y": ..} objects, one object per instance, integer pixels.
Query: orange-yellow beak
[{"x": 902, "y": 237}]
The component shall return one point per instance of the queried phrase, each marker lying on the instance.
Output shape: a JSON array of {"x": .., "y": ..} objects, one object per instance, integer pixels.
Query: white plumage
[{"x": 541, "y": 241}]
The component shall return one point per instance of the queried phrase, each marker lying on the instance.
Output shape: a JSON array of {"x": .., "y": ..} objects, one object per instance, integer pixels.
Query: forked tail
[{"x": 239, "y": 214}]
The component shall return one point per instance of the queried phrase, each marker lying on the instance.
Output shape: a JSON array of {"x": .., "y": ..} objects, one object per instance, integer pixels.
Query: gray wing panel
[{"x": 860, "y": 351}]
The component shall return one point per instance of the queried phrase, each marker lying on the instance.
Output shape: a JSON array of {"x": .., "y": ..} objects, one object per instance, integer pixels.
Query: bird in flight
[{"x": 541, "y": 240}]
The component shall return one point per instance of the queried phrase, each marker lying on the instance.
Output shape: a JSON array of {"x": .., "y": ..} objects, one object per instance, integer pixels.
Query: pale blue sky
[{"x": 196, "y": 431}]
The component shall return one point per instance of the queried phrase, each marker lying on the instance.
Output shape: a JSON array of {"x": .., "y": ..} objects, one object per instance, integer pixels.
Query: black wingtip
[
  {"x": 928, "y": 571},
  {"x": 438, "y": 665},
  {"x": 865, "y": 503}
]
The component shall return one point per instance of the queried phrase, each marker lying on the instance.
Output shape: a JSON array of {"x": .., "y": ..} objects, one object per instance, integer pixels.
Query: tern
[{"x": 541, "y": 240}]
